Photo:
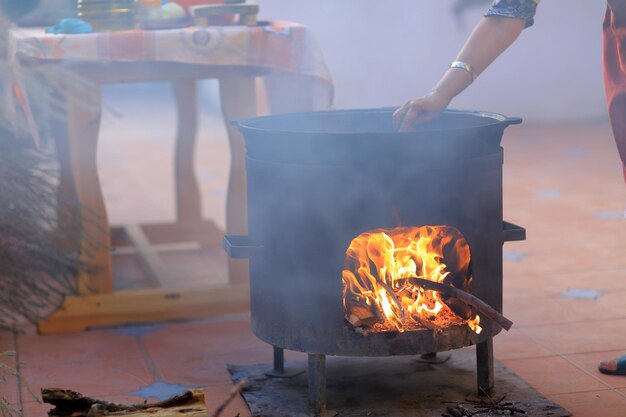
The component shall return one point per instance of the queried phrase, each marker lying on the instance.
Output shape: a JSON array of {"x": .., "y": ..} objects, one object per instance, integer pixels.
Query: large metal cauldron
[{"x": 317, "y": 180}]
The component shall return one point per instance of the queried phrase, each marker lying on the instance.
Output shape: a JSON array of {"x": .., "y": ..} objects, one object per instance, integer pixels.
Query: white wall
[{"x": 381, "y": 52}]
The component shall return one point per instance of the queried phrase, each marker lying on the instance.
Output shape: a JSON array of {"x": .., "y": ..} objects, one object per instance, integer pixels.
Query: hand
[{"x": 418, "y": 111}]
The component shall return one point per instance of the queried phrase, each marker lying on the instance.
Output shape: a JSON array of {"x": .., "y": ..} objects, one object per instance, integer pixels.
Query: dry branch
[
  {"x": 466, "y": 297},
  {"x": 233, "y": 393}
]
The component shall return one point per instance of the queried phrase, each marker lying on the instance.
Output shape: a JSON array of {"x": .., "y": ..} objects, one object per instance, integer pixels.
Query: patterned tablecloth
[{"x": 284, "y": 50}]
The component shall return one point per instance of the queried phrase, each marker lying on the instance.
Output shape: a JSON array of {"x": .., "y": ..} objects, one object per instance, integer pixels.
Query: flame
[{"x": 378, "y": 293}]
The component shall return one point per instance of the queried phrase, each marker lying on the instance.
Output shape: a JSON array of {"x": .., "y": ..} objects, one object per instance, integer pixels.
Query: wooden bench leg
[
  {"x": 238, "y": 96},
  {"x": 188, "y": 201},
  {"x": 80, "y": 184}
]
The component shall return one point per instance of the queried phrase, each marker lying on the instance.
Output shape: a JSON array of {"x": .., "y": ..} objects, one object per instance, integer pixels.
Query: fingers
[
  {"x": 409, "y": 122},
  {"x": 418, "y": 111},
  {"x": 407, "y": 117},
  {"x": 398, "y": 116}
]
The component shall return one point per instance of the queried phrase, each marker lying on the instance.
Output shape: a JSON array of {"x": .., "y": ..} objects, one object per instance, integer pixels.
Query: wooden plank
[
  {"x": 144, "y": 306},
  {"x": 154, "y": 268},
  {"x": 160, "y": 248},
  {"x": 204, "y": 232}
]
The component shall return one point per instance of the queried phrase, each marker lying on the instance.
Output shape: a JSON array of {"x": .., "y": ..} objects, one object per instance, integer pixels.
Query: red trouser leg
[{"x": 615, "y": 72}]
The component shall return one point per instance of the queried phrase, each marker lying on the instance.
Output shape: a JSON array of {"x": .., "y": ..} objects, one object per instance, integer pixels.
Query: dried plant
[
  {"x": 7, "y": 372},
  {"x": 36, "y": 271}
]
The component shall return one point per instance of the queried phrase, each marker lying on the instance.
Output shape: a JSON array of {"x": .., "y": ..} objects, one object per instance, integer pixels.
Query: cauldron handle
[
  {"x": 237, "y": 247},
  {"x": 512, "y": 232},
  {"x": 513, "y": 121}
]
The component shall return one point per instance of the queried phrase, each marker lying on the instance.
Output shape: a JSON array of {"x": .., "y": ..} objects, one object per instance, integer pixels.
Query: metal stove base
[
  {"x": 316, "y": 373},
  {"x": 386, "y": 387}
]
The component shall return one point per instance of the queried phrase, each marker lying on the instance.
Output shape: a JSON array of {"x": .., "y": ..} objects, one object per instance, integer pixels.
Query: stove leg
[
  {"x": 279, "y": 360},
  {"x": 317, "y": 383},
  {"x": 484, "y": 363}
]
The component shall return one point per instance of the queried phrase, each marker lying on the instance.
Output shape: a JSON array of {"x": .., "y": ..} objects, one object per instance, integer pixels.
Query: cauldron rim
[{"x": 260, "y": 124}]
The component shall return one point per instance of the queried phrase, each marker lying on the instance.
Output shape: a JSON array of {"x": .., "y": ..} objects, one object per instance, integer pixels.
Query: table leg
[
  {"x": 238, "y": 96},
  {"x": 80, "y": 184},
  {"x": 188, "y": 202}
]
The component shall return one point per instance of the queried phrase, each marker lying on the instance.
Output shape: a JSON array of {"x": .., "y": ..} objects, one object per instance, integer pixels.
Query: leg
[
  {"x": 279, "y": 360},
  {"x": 188, "y": 203},
  {"x": 614, "y": 70},
  {"x": 484, "y": 364},
  {"x": 279, "y": 370},
  {"x": 80, "y": 191},
  {"x": 317, "y": 383},
  {"x": 238, "y": 96}
]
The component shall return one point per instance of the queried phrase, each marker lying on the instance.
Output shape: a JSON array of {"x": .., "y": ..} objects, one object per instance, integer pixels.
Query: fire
[{"x": 379, "y": 293}]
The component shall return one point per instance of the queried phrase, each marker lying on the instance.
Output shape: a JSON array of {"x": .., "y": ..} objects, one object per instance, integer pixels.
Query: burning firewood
[
  {"x": 384, "y": 275},
  {"x": 361, "y": 316},
  {"x": 468, "y": 298}
]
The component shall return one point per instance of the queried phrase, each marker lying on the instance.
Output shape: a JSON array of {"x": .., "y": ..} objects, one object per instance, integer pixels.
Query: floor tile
[
  {"x": 530, "y": 311},
  {"x": 218, "y": 336},
  {"x": 514, "y": 344},
  {"x": 34, "y": 409},
  {"x": 554, "y": 375},
  {"x": 605, "y": 403},
  {"x": 210, "y": 368},
  {"x": 529, "y": 285},
  {"x": 581, "y": 337},
  {"x": 93, "y": 363},
  {"x": 604, "y": 280},
  {"x": 615, "y": 300},
  {"x": 206, "y": 369},
  {"x": 215, "y": 395},
  {"x": 197, "y": 353}
]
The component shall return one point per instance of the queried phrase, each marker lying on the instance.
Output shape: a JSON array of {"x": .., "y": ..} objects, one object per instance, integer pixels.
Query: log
[
  {"x": 466, "y": 297},
  {"x": 362, "y": 316},
  {"x": 73, "y": 404}
]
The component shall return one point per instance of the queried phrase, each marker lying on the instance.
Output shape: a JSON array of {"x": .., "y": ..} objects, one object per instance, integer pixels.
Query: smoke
[
  {"x": 381, "y": 53},
  {"x": 461, "y": 7}
]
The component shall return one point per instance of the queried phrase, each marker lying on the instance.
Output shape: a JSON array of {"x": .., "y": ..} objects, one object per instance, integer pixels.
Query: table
[{"x": 282, "y": 56}]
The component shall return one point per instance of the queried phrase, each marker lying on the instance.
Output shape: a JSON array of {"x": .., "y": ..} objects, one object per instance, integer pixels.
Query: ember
[{"x": 381, "y": 289}]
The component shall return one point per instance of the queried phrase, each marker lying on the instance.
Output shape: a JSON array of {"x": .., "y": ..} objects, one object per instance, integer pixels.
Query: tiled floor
[{"x": 563, "y": 183}]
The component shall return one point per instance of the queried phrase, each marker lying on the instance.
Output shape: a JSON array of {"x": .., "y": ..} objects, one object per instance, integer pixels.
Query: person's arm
[{"x": 492, "y": 36}]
